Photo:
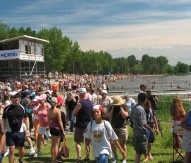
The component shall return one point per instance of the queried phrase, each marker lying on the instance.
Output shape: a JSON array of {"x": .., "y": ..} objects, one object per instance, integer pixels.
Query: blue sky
[{"x": 121, "y": 27}]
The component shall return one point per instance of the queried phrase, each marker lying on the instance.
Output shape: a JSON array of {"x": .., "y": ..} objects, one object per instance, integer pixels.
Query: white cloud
[
  {"x": 140, "y": 35},
  {"x": 98, "y": 25}
]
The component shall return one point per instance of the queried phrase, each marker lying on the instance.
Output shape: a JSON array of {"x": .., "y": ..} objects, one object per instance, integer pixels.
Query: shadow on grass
[
  {"x": 161, "y": 153},
  {"x": 38, "y": 160},
  {"x": 48, "y": 160}
]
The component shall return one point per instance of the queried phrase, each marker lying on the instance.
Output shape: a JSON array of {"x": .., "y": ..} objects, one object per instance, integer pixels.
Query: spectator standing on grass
[
  {"x": 83, "y": 114},
  {"x": 186, "y": 142},
  {"x": 42, "y": 113},
  {"x": 105, "y": 102},
  {"x": 5, "y": 102},
  {"x": 94, "y": 96},
  {"x": 2, "y": 140},
  {"x": 118, "y": 115},
  {"x": 153, "y": 123},
  {"x": 24, "y": 102},
  {"x": 153, "y": 99},
  {"x": 48, "y": 96},
  {"x": 59, "y": 98},
  {"x": 100, "y": 134},
  {"x": 140, "y": 127},
  {"x": 129, "y": 102},
  {"x": 56, "y": 128},
  {"x": 17, "y": 126},
  {"x": 70, "y": 104},
  {"x": 34, "y": 107}
]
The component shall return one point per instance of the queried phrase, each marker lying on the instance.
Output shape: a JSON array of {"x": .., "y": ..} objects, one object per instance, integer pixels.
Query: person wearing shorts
[
  {"x": 83, "y": 114},
  {"x": 17, "y": 125},
  {"x": 56, "y": 128},
  {"x": 42, "y": 113},
  {"x": 118, "y": 114},
  {"x": 140, "y": 127}
]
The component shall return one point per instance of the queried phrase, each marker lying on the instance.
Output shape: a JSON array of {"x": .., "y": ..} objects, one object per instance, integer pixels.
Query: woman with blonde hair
[{"x": 177, "y": 111}]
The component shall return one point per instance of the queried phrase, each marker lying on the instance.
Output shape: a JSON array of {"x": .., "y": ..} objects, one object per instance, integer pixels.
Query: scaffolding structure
[{"x": 22, "y": 57}]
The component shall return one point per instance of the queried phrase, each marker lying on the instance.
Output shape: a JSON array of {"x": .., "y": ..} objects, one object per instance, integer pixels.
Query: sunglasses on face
[{"x": 15, "y": 97}]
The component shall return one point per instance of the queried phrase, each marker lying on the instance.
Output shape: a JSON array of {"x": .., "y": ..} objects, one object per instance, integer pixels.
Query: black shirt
[
  {"x": 15, "y": 115},
  {"x": 117, "y": 121}
]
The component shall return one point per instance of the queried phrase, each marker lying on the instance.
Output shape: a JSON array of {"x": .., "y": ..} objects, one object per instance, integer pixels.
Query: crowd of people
[{"x": 85, "y": 109}]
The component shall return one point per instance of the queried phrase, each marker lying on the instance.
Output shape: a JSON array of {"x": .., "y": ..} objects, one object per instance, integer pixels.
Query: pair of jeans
[
  {"x": 1, "y": 157},
  {"x": 103, "y": 158},
  {"x": 71, "y": 119}
]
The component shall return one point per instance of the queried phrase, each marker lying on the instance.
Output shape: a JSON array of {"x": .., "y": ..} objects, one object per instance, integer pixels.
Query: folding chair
[{"x": 177, "y": 144}]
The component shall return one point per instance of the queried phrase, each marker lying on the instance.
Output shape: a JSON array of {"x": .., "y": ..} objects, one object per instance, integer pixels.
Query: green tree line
[{"x": 64, "y": 55}]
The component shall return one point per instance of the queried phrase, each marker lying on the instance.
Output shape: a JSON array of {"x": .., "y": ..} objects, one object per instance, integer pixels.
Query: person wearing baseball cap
[
  {"x": 105, "y": 102},
  {"x": 42, "y": 113},
  {"x": 99, "y": 133},
  {"x": 83, "y": 114}
]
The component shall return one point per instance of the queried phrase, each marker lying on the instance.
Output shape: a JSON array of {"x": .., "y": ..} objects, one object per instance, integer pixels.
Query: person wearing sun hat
[
  {"x": 99, "y": 133},
  {"x": 118, "y": 114}
]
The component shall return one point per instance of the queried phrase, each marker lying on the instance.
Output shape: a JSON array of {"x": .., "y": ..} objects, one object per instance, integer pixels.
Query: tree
[
  {"x": 21, "y": 31},
  {"x": 30, "y": 32},
  {"x": 148, "y": 64},
  {"x": 169, "y": 69},
  {"x": 13, "y": 32},
  {"x": 54, "y": 53},
  {"x": 161, "y": 63},
  {"x": 132, "y": 61},
  {"x": 181, "y": 68},
  {"x": 4, "y": 31}
]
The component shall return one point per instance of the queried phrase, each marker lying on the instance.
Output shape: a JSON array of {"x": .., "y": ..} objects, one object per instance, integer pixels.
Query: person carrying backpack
[{"x": 100, "y": 134}]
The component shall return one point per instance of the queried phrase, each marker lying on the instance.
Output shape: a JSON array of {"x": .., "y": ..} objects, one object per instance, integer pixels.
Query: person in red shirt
[{"x": 55, "y": 87}]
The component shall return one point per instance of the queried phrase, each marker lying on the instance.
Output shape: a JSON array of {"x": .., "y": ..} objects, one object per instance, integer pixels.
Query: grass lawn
[{"x": 162, "y": 149}]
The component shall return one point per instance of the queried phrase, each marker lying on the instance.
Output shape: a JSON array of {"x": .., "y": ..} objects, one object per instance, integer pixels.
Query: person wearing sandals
[
  {"x": 56, "y": 128},
  {"x": 100, "y": 134}
]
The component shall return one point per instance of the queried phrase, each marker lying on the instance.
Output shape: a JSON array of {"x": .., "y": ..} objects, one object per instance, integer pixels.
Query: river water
[{"x": 159, "y": 85}]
